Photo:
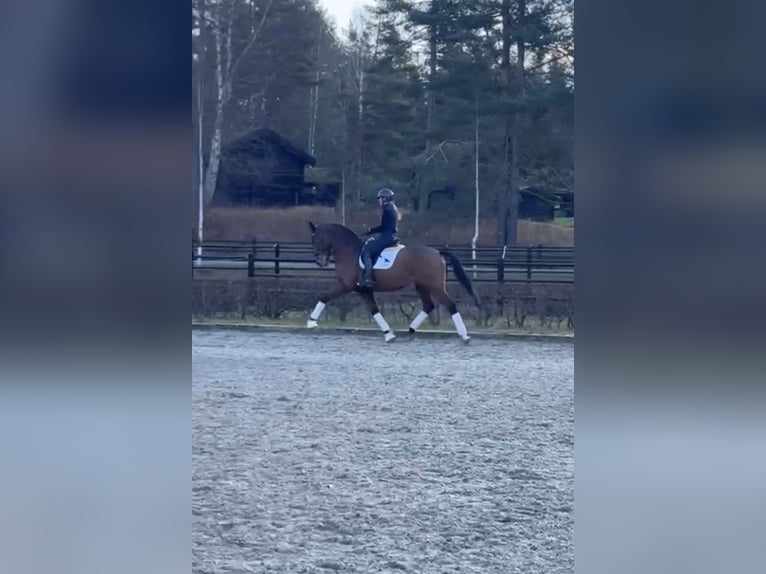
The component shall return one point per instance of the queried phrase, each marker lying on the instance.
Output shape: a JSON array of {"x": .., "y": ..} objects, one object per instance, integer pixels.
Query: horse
[{"x": 395, "y": 268}]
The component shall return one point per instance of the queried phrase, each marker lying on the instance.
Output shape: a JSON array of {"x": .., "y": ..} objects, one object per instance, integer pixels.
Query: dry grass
[
  {"x": 533, "y": 233},
  {"x": 290, "y": 224}
]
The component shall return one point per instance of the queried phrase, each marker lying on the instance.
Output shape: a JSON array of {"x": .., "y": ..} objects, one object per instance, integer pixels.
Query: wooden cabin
[{"x": 262, "y": 168}]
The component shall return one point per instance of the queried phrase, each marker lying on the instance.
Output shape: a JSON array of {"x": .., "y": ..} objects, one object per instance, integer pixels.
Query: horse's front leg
[{"x": 338, "y": 291}]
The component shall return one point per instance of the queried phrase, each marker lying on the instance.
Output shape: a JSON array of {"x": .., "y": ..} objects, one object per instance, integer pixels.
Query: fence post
[
  {"x": 529, "y": 264},
  {"x": 500, "y": 270},
  {"x": 276, "y": 258},
  {"x": 250, "y": 265}
]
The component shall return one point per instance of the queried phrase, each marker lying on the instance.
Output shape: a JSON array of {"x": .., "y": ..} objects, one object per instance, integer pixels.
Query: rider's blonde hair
[{"x": 396, "y": 210}]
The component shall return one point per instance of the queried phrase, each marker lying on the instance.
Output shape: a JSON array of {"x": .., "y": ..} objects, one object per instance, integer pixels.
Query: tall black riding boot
[{"x": 367, "y": 279}]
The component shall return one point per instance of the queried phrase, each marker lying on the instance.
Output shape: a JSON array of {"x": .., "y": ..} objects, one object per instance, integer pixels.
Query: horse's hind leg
[
  {"x": 444, "y": 299},
  {"x": 369, "y": 298},
  {"x": 428, "y": 306}
]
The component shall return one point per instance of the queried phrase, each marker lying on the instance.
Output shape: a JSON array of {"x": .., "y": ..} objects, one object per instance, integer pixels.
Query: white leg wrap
[
  {"x": 418, "y": 320},
  {"x": 381, "y": 322},
  {"x": 315, "y": 314},
  {"x": 460, "y": 326},
  {"x": 383, "y": 326}
]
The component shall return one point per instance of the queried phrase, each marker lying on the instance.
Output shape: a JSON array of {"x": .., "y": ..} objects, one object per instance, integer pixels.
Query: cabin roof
[{"x": 271, "y": 137}]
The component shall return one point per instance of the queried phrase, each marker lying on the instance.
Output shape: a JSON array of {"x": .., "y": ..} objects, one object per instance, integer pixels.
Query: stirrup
[{"x": 365, "y": 283}]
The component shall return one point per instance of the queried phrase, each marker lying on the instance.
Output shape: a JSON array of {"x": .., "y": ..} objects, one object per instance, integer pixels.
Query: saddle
[{"x": 386, "y": 258}]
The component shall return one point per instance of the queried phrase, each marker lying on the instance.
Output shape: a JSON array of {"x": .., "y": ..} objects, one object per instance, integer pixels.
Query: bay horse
[{"x": 395, "y": 268}]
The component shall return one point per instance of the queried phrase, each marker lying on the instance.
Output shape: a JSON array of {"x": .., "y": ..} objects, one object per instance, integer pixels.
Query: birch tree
[{"x": 220, "y": 21}]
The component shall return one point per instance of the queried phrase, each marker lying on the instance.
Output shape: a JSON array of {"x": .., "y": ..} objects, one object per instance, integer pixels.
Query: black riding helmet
[{"x": 385, "y": 194}]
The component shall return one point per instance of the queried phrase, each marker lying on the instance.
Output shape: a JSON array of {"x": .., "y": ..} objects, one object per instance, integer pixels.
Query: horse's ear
[{"x": 312, "y": 227}]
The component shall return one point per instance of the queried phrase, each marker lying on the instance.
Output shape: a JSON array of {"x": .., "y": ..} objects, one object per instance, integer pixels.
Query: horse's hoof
[
  {"x": 389, "y": 337},
  {"x": 311, "y": 324},
  {"x": 466, "y": 339}
]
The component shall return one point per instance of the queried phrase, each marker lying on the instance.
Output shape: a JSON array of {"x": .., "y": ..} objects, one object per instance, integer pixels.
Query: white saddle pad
[{"x": 386, "y": 258}]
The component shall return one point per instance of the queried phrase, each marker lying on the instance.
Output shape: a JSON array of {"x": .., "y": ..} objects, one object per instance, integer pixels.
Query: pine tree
[
  {"x": 441, "y": 28},
  {"x": 392, "y": 119}
]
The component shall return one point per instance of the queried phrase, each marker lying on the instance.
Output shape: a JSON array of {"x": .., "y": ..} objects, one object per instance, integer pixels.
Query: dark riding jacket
[{"x": 389, "y": 225}]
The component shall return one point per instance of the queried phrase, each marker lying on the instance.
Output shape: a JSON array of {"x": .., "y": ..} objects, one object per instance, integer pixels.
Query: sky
[{"x": 341, "y": 11}]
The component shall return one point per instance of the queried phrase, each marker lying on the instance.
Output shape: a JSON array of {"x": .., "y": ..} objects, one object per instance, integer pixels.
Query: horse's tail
[{"x": 461, "y": 275}]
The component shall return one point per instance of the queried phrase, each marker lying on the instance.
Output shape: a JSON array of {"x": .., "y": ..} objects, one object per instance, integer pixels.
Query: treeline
[{"x": 423, "y": 96}]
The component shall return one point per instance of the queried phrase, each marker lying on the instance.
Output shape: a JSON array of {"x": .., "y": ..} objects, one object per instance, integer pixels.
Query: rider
[{"x": 388, "y": 234}]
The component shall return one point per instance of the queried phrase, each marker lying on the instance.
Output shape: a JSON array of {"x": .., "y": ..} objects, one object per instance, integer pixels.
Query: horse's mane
[{"x": 344, "y": 233}]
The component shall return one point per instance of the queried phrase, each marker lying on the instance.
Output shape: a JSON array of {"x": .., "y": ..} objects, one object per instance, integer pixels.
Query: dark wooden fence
[{"x": 531, "y": 264}]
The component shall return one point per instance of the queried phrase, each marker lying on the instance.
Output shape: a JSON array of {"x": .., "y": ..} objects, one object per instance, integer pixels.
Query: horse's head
[{"x": 322, "y": 244}]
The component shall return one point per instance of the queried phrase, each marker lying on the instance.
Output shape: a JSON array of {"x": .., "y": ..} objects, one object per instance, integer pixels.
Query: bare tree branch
[
  {"x": 560, "y": 56},
  {"x": 250, "y": 44},
  {"x": 440, "y": 149}
]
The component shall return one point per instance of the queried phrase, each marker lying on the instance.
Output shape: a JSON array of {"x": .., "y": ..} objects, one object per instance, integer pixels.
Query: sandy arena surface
[{"x": 337, "y": 453}]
